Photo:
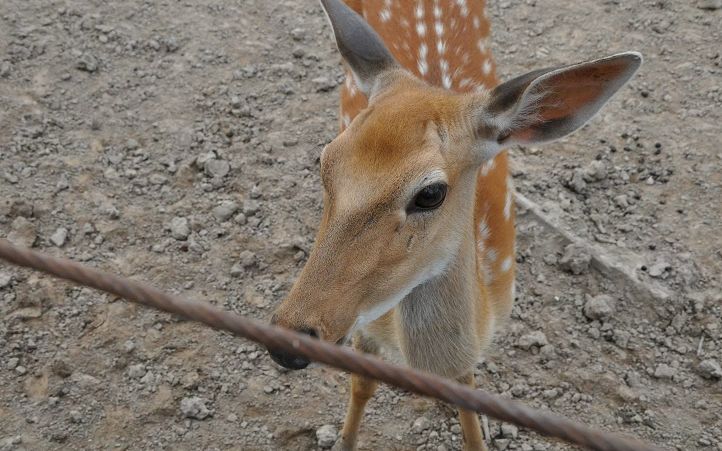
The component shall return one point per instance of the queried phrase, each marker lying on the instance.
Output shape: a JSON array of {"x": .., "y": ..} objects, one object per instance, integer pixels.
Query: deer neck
[{"x": 437, "y": 322}]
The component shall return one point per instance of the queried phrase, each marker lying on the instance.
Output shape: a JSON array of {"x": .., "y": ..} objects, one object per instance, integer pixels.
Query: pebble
[
  {"x": 12, "y": 363},
  {"x": 576, "y": 259},
  {"x": 136, "y": 371},
  {"x": 216, "y": 168},
  {"x": 600, "y": 307},
  {"x": 323, "y": 84},
  {"x": 58, "y": 238},
  {"x": 22, "y": 232},
  {"x": 75, "y": 416},
  {"x": 247, "y": 259},
  {"x": 664, "y": 371},
  {"x": 225, "y": 210},
  {"x": 180, "y": 229},
  {"x": 710, "y": 369},
  {"x": 421, "y": 424},
  {"x": 509, "y": 430},
  {"x": 87, "y": 63},
  {"x": 576, "y": 182},
  {"x": 195, "y": 408},
  {"x": 596, "y": 171},
  {"x": 326, "y": 436},
  {"x": 658, "y": 269},
  {"x": 709, "y": 5},
  {"x": 250, "y": 207},
  {"x": 536, "y": 338},
  {"x": 5, "y": 279}
]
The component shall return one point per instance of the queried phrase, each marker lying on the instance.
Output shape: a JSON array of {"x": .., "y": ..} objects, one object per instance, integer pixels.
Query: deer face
[{"x": 399, "y": 181}]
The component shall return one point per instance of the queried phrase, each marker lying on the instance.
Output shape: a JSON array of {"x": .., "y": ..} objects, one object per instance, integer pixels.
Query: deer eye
[{"x": 429, "y": 198}]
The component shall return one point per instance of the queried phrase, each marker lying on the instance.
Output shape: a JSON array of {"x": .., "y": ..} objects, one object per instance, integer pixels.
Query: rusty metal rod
[{"x": 336, "y": 356}]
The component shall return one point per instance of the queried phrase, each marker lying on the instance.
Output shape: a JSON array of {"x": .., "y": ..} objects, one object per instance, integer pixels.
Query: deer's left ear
[
  {"x": 361, "y": 47},
  {"x": 549, "y": 104}
]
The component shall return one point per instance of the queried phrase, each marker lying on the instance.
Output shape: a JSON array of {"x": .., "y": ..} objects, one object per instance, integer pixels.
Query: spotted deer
[{"x": 415, "y": 250}]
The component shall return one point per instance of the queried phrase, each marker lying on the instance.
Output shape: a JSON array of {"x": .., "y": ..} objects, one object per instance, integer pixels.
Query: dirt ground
[{"x": 177, "y": 142}]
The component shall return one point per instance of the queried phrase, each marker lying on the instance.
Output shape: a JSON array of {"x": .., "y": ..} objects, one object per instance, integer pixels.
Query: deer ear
[
  {"x": 361, "y": 47},
  {"x": 548, "y": 104}
]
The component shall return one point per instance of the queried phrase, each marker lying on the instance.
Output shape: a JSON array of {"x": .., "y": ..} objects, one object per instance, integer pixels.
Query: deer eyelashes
[{"x": 429, "y": 198}]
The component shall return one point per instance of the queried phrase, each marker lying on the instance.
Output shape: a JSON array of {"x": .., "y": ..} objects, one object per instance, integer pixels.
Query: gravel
[{"x": 121, "y": 120}]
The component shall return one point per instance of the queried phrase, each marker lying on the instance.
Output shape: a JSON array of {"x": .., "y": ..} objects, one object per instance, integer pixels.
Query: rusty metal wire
[{"x": 336, "y": 356}]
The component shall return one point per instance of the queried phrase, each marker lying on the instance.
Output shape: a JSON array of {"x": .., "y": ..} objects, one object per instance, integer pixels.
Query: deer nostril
[{"x": 291, "y": 361}]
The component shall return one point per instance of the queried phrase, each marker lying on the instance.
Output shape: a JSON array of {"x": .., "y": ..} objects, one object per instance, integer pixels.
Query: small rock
[
  {"x": 237, "y": 270},
  {"x": 136, "y": 371},
  {"x": 502, "y": 443},
  {"x": 225, "y": 210},
  {"x": 247, "y": 259},
  {"x": 576, "y": 182},
  {"x": 58, "y": 238},
  {"x": 5, "y": 279},
  {"x": 148, "y": 378},
  {"x": 323, "y": 84},
  {"x": 180, "y": 229},
  {"x": 710, "y": 369},
  {"x": 536, "y": 338},
  {"x": 658, "y": 269},
  {"x": 250, "y": 207},
  {"x": 21, "y": 370},
  {"x": 12, "y": 363},
  {"x": 75, "y": 416},
  {"x": 420, "y": 425},
  {"x": 709, "y": 5},
  {"x": 576, "y": 259},
  {"x": 596, "y": 171},
  {"x": 87, "y": 63},
  {"x": 600, "y": 307},
  {"x": 509, "y": 430},
  {"x": 621, "y": 201},
  {"x": 664, "y": 371},
  {"x": 195, "y": 408},
  {"x": 326, "y": 436},
  {"x": 22, "y": 232},
  {"x": 216, "y": 168}
]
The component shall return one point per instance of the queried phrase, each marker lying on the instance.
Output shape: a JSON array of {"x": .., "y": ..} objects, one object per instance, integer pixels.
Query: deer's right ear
[
  {"x": 549, "y": 104},
  {"x": 361, "y": 47}
]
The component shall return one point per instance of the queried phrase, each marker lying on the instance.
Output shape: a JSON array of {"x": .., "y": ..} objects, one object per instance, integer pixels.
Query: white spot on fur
[
  {"x": 385, "y": 15},
  {"x": 437, "y": 12},
  {"x": 423, "y": 67},
  {"x": 506, "y": 264},
  {"x": 441, "y": 47},
  {"x": 477, "y": 23},
  {"x": 419, "y": 11},
  {"x": 446, "y": 81},
  {"x": 508, "y": 200},
  {"x": 487, "y": 167},
  {"x": 486, "y": 68},
  {"x": 465, "y": 82},
  {"x": 439, "y": 28},
  {"x": 421, "y": 29},
  {"x": 483, "y": 45}
]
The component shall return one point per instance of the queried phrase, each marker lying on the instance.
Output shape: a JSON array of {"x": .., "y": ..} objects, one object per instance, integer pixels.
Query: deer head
[{"x": 399, "y": 181}]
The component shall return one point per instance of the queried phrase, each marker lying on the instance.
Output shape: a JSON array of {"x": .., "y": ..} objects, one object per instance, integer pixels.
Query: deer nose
[{"x": 292, "y": 361}]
